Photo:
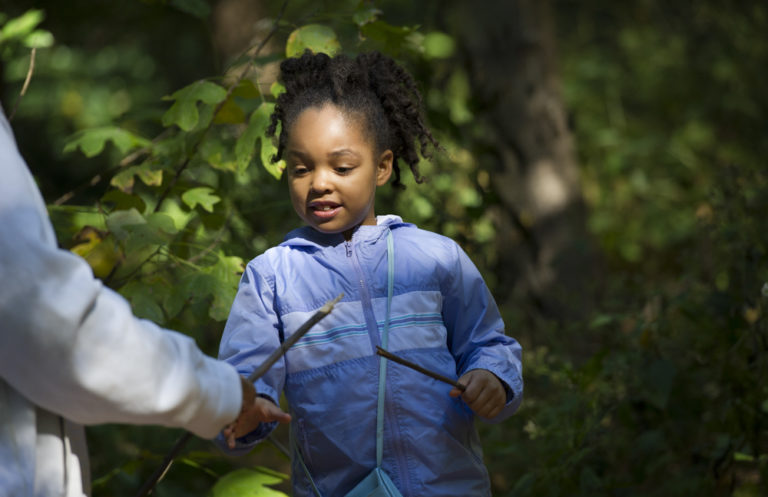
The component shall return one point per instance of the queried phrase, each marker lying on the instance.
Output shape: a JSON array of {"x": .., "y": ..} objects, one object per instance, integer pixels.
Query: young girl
[{"x": 345, "y": 124}]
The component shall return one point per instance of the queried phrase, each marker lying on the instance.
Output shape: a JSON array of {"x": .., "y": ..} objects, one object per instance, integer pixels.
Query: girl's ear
[{"x": 384, "y": 167}]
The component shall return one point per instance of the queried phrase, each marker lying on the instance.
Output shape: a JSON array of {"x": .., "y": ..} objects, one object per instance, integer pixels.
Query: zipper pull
[{"x": 348, "y": 246}]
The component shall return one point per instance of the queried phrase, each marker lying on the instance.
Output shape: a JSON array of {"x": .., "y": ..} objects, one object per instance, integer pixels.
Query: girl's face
[{"x": 333, "y": 171}]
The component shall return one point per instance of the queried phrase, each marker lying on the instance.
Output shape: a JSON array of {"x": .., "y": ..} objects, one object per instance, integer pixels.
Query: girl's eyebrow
[{"x": 344, "y": 151}]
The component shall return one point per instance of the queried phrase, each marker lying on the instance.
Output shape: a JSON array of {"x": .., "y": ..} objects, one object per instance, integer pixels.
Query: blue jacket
[{"x": 443, "y": 318}]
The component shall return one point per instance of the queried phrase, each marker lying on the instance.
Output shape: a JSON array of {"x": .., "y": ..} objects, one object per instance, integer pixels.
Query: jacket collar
[{"x": 310, "y": 237}]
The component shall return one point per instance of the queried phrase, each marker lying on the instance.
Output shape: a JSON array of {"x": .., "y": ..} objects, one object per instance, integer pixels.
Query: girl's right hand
[{"x": 260, "y": 411}]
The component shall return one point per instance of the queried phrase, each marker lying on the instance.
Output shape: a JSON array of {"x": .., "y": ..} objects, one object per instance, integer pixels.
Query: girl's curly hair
[{"x": 372, "y": 87}]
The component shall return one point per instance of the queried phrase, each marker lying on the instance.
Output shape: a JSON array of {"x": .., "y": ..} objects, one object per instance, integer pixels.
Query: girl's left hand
[{"x": 485, "y": 393}]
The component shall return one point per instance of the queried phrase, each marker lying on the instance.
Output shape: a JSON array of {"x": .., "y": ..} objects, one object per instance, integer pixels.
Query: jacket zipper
[
  {"x": 373, "y": 332},
  {"x": 365, "y": 298}
]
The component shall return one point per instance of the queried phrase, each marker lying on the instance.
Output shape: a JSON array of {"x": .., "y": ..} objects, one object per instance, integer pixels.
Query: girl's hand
[
  {"x": 260, "y": 410},
  {"x": 485, "y": 393}
]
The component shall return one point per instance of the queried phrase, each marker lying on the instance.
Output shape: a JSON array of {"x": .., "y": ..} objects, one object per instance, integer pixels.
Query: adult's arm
[{"x": 73, "y": 346}]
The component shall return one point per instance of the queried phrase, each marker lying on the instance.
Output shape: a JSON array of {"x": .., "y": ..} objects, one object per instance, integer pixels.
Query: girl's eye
[
  {"x": 343, "y": 169},
  {"x": 299, "y": 170}
]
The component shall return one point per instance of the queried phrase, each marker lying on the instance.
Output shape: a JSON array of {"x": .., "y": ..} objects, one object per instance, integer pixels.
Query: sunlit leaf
[
  {"x": 184, "y": 111},
  {"x": 202, "y": 196},
  {"x": 39, "y": 39},
  {"x": 216, "y": 152},
  {"x": 315, "y": 37},
  {"x": 21, "y": 26},
  {"x": 438, "y": 45},
  {"x": 150, "y": 175},
  {"x": 101, "y": 252},
  {"x": 276, "y": 88},
  {"x": 248, "y": 482},
  {"x": 268, "y": 151},
  {"x": 245, "y": 147},
  {"x": 92, "y": 141}
]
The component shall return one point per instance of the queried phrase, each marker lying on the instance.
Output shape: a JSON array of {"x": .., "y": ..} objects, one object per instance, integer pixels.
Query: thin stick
[
  {"x": 258, "y": 373},
  {"x": 26, "y": 83},
  {"x": 416, "y": 367},
  {"x": 287, "y": 344}
]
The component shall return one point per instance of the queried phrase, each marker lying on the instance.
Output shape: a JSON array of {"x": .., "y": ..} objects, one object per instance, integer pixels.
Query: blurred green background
[{"x": 603, "y": 165}]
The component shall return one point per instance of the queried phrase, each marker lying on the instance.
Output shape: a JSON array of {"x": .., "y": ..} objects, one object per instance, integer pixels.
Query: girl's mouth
[{"x": 324, "y": 210}]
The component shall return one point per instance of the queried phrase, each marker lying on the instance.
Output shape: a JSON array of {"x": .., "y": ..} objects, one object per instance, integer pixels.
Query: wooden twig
[
  {"x": 26, "y": 83},
  {"x": 416, "y": 367},
  {"x": 258, "y": 373}
]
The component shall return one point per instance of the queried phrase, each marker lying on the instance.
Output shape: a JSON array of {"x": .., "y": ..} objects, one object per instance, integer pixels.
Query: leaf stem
[{"x": 26, "y": 83}]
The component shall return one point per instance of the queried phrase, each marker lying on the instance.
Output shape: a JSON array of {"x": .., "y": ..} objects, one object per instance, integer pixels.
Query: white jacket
[{"x": 72, "y": 353}]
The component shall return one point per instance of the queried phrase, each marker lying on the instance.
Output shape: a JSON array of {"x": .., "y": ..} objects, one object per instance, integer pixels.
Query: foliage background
[{"x": 654, "y": 390}]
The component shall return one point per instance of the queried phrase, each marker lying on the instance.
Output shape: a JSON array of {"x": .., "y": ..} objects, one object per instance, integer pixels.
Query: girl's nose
[{"x": 322, "y": 180}]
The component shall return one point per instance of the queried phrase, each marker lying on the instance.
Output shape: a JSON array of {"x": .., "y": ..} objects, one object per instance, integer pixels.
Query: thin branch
[
  {"x": 26, "y": 83},
  {"x": 416, "y": 367},
  {"x": 231, "y": 89}
]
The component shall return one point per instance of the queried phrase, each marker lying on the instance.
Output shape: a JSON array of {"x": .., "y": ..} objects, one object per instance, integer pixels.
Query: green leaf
[
  {"x": 315, "y": 37},
  {"x": 140, "y": 234},
  {"x": 245, "y": 147},
  {"x": 365, "y": 14},
  {"x": 162, "y": 223},
  {"x": 144, "y": 300},
  {"x": 202, "y": 196},
  {"x": 268, "y": 150},
  {"x": 197, "y": 8},
  {"x": 148, "y": 172},
  {"x": 227, "y": 273},
  {"x": 22, "y": 26},
  {"x": 246, "y": 89},
  {"x": 92, "y": 141},
  {"x": 184, "y": 112},
  {"x": 438, "y": 45},
  {"x": 247, "y": 482},
  {"x": 276, "y": 89},
  {"x": 393, "y": 39},
  {"x": 123, "y": 201},
  {"x": 118, "y": 221},
  {"x": 218, "y": 155},
  {"x": 39, "y": 39},
  {"x": 230, "y": 113}
]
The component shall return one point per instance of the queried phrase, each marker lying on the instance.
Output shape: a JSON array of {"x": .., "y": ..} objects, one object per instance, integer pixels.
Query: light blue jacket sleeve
[
  {"x": 476, "y": 331},
  {"x": 72, "y": 346},
  {"x": 252, "y": 332}
]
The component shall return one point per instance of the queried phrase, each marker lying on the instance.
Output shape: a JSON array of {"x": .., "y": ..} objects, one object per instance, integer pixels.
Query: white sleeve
[{"x": 73, "y": 346}]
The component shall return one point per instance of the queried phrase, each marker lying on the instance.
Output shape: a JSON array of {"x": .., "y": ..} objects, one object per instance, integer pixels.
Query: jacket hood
[{"x": 310, "y": 237}]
